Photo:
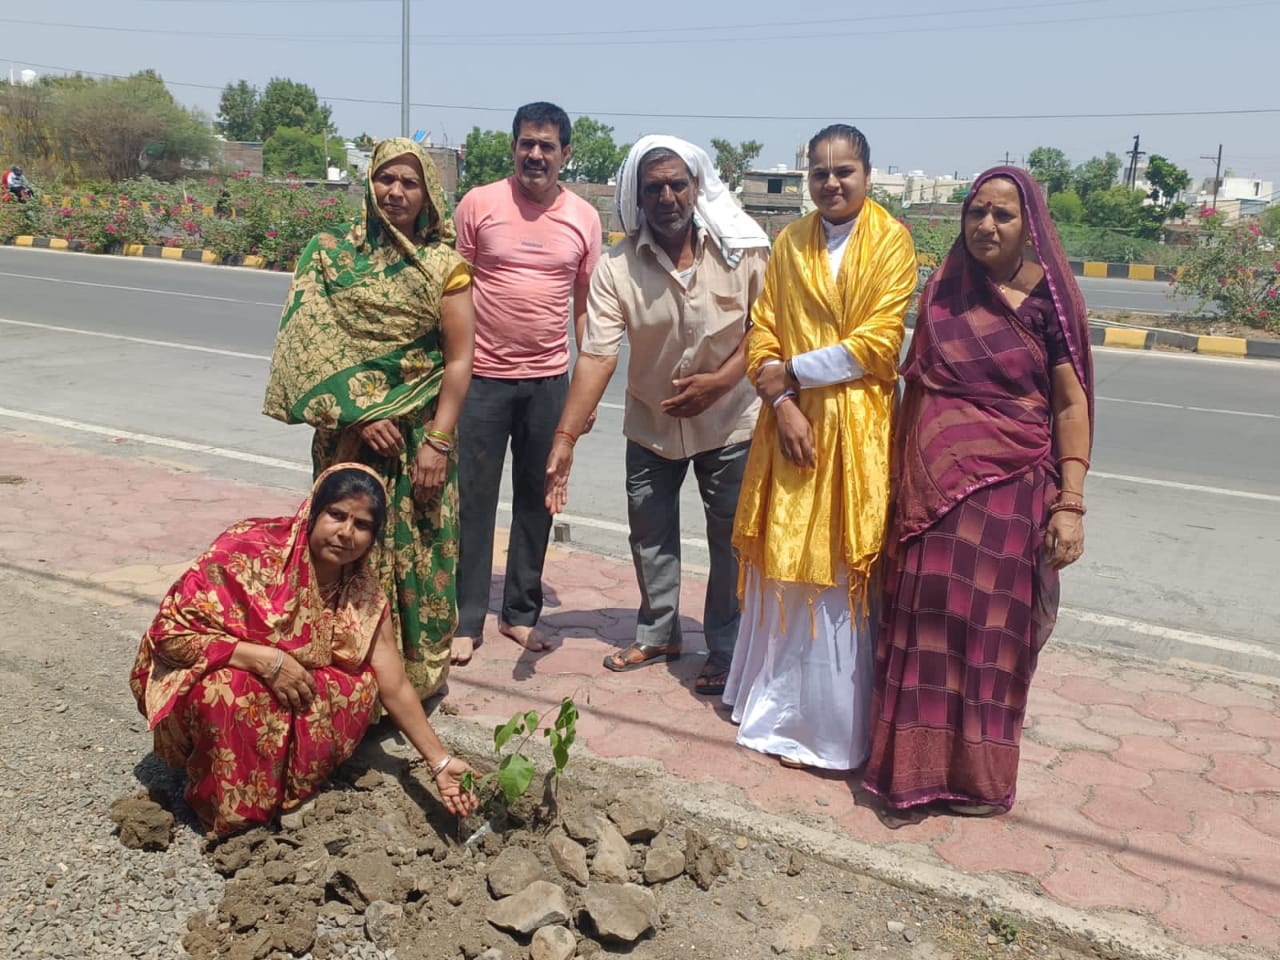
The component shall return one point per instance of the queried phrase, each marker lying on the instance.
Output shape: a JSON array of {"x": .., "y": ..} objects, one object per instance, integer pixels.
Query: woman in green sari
[{"x": 374, "y": 352}]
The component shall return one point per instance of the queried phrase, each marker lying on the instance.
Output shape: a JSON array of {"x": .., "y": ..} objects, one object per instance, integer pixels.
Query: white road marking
[
  {"x": 153, "y": 290},
  {"x": 1178, "y": 406},
  {"x": 170, "y": 442},
  {"x": 1187, "y": 487},
  {"x": 143, "y": 340},
  {"x": 1224, "y": 644}
]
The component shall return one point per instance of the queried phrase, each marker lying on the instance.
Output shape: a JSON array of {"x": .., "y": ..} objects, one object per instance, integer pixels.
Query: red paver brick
[
  {"x": 1088, "y": 769},
  {"x": 1258, "y": 887},
  {"x": 1144, "y": 679},
  {"x": 1033, "y": 754},
  {"x": 977, "y": 846},
  {"x": 1207, "y": 915},
  {"x": 1244, "y": 774},
  {"x": 1061, "y": 663},
  {"x": 1127, "y": 809},
  {"x": 1052, "y": 811},
  {"x": 1146, "y": 753},
  {"x": 1191, "y": 793},
  {"x": 1254, "y": 722},
  {"x": 1115, "y": 720},
  {"x": 1068, "y": 734},
  {"x": 1220, "y": 694},
  {"x": 1227, "y": 835},
  {"x": 1161, "y": 857},
  {"x": 1266, "y": 816},
  {"x": 1210, "y": 740},
  {"x": 1177, "y": 707},
  {"x": 1090, "y": 880},
  {"x": 1089, "y": 691},
  {"x": 1046, "y": 703}
]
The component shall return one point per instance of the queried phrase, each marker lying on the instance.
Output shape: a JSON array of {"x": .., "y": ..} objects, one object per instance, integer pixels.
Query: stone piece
[
  {"x": 704, "y": 861},
  {"x": 621, "y": 913},
  {"x": 639, "y": 814},
  {"x": 569, "y": 856},
  {"x": 795, "y": 864},
  {"x": 144, "y": 824},
  {"x": 664, "y": 860},
  {"x": 382, "y": 922},
  {"x": 538, "y": 905},
  {"x": 362, "y": 879},
  {"x": 513, "y": 870},
  {"x": 613, "y": 855},
  {"x": 553, "y": 943},
  {"x": 799, "y": 933},
  {"x": 582, "y": 826}
]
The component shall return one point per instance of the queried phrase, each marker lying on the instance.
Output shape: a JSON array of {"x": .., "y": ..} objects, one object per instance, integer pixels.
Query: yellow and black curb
[
  {"x": 1102, "y": 270},
  {"x": 1144, "y": 339},
  {"x": 192, "y": 255}
]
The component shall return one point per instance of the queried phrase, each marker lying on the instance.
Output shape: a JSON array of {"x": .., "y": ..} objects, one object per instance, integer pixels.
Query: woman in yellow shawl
[
  {"x": 374, "y": 351},
  {"x": 823, "y": 353}
]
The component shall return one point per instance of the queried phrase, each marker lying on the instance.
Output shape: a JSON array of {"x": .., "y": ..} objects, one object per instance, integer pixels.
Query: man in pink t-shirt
[{"x": 532, "y": 245}]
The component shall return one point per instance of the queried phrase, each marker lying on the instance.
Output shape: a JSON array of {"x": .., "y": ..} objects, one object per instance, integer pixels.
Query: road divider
[
  {"x": 1143, "y": 338},
  {"x": 155, "y": 251},
  {"x": 1101, "y": 270}
]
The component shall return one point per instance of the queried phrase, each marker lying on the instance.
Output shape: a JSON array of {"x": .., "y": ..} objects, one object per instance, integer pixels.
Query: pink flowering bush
[
  {"x": 240, "y": 216},
  {"x": 1233, "y": 266}
]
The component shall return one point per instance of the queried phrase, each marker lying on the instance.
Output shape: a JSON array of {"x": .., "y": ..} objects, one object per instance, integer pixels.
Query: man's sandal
[
  {"x": 640, "y": 655},
  {"x": 713, "y": 678}
]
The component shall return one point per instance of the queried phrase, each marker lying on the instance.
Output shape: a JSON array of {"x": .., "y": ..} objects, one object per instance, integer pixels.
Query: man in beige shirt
[{"x": 680, "y": 286}]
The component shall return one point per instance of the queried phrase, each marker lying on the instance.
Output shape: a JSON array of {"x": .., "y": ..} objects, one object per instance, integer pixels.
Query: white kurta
[{"x": 804, "y": 692}]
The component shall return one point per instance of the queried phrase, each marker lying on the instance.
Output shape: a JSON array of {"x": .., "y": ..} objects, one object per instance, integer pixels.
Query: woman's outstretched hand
[{"x": 449, "y": 781}]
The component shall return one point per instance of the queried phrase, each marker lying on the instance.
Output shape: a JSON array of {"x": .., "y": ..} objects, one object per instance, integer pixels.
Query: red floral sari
[{"x": 247, "y": 756}]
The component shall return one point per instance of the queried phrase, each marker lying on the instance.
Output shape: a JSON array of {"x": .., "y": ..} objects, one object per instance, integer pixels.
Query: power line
[
  {"x": 519, "y": 40},
  {"x": 884, "y": 118}
]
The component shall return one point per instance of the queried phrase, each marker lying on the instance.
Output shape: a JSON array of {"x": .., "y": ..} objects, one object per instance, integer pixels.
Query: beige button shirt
[{"x": 675, "y": 329}]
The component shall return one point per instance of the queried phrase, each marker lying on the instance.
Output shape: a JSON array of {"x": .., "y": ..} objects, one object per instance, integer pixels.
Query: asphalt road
[{"x": 168, "y": 361}]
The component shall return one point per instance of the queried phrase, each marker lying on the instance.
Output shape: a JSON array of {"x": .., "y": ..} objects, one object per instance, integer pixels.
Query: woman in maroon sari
[{"x": 992, "y": 447}]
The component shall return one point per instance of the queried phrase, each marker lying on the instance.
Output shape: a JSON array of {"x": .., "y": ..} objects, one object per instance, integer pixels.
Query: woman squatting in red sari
[
  {"x": 991, "y": 447},
  {"x": 260, "y": 672}
]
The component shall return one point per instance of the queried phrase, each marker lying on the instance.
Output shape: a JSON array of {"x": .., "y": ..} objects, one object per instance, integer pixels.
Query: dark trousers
[
  {"x": 653, "y": 512},
  {"x": 524, "y": 413}
]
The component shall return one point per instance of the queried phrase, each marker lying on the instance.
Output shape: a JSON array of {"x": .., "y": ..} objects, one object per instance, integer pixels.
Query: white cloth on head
[{"x": 730, "y": 226}]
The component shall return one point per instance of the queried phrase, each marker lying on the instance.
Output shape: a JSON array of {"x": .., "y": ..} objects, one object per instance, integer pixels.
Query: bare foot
[
  {"x": 460, "y": 650},
  {"x": 527, "y": 637}
]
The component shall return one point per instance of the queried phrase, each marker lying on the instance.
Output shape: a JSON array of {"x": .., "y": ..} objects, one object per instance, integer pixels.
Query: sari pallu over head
[
  {"x": 977, "y": 408},
  {"x": 359, "y": 339},
  {"x": 255, "y": 584}
]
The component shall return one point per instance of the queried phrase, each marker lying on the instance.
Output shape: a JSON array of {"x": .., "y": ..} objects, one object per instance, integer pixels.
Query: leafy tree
[
  {"x": 595, "y": 156},
  {"x": 293, "y": 151},
  {"x": 117, "y": 128},
  {"x": 1051, "y": 167},
  {"x": 364, "y": 142},
  {"x": 733, "y": 162},
  {"x": 1121, "y": 208},
  {"x": 1167, "y": 180},
  {"x": 285, "y": 103},
  {"x": 486, "y": 157},
  {"x": 958, "y": 194},
  {"x": 1096, "y": 173},
  {"x": 238, "y": 111},
  {"x": 1066, "y": 207},
  {"x": 1270, "y": 221},
  {"x": 887, "y": 200}
]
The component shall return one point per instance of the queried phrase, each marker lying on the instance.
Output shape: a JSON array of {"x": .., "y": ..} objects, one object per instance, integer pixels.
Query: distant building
[
  {"x": 774, "y": 191},
  {"x": 448, "y": 162},
  {"x": 915, "y": 186},
  {"x": 240, "y": 155}
]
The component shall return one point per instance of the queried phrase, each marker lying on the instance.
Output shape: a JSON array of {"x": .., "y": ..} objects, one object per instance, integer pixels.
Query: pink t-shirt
[{"x": 526, "y": 260}]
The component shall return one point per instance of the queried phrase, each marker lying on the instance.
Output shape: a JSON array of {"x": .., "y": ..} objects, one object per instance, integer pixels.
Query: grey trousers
[{"x": 653, "y": 512}]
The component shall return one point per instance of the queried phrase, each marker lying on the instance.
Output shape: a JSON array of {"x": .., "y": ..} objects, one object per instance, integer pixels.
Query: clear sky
[{"x": 936, "y": 87}]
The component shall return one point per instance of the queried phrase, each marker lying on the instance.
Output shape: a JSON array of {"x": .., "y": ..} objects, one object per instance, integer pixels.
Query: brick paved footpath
[{"x": 1145, "y": 789}]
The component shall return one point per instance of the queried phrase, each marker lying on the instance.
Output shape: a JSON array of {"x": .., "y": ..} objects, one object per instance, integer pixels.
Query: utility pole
[
  {"x": 404, "y": 71},
  {"x": 1131, "y": 178},
  {"x": 1217, "y": 173}
]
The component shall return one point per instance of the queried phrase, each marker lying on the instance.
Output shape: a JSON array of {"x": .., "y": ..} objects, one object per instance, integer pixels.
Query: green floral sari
[{"x": 360, "y": 341}]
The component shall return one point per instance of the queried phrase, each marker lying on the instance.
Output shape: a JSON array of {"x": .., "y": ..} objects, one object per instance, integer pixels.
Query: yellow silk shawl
[{"x": 802, "y": 525}]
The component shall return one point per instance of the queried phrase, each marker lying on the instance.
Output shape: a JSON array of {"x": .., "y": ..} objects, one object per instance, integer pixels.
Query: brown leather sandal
[{"x": 640, "y": 655}]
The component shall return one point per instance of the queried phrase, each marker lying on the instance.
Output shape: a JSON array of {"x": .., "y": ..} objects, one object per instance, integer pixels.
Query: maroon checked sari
[{"x": 969, "y": 597}]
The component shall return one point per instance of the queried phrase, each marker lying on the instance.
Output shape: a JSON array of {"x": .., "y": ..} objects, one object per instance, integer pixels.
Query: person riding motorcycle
[{"x": 16, "y": 184}]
